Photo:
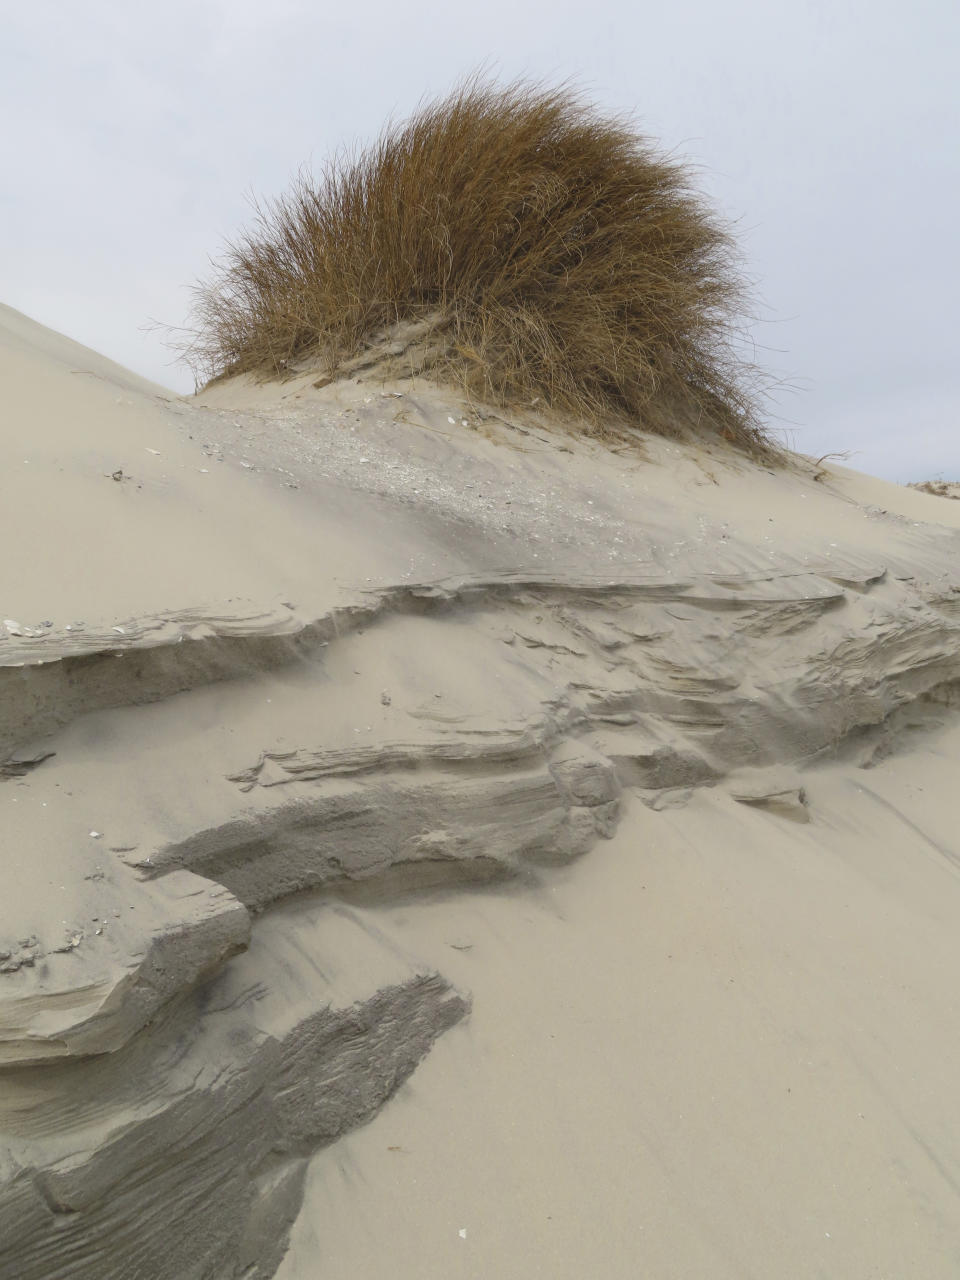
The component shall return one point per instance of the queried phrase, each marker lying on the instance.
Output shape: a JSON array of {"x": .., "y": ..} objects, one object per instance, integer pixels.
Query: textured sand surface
[
  {"x": 348, "y": 729},
  {"x": 721, "y": 1045}
]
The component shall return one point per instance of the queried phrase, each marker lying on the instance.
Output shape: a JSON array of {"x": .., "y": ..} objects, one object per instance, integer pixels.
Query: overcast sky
[{"x": 134, "y": 132}]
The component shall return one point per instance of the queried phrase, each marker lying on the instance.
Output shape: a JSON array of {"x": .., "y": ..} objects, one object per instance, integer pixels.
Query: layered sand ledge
[{"x": 313, "y": 702}]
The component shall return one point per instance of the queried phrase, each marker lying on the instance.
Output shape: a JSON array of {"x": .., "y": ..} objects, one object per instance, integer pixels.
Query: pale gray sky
[{"x": 132, "y": 133}]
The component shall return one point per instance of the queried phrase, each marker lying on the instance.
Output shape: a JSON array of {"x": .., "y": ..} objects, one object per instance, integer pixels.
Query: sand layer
[{"x": 345, "y": 726}]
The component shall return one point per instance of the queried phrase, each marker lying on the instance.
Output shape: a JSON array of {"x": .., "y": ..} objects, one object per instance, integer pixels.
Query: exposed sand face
[
  {"x": 340, "y": 710},
  {"x": 722, "y": 1044}
]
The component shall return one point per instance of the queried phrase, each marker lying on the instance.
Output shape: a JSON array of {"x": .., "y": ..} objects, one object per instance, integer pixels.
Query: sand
[
  {"x": 437, "y": 846},
  {"x": 712, "y": 1049}
]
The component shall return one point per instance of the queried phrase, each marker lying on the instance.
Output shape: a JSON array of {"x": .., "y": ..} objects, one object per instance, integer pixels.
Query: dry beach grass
[{"x": 549, "y": 255}]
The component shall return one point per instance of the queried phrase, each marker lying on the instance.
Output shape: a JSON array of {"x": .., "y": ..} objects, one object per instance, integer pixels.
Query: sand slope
[
  {"x": 333, "y": 716},
  {"x": 722, "y": 1045}
]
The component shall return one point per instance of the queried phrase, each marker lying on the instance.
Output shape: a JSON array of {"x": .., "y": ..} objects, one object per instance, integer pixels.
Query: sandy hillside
[{"x": 436, "y": 847}]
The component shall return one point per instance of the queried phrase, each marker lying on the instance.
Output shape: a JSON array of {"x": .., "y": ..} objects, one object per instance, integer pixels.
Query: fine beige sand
[
  {"x": 437, "y": 846},
  {"x": 719, "y": 1046}
]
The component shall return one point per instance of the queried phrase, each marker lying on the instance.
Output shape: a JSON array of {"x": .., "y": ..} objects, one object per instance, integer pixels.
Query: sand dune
[{"x": 440, "y": 846}]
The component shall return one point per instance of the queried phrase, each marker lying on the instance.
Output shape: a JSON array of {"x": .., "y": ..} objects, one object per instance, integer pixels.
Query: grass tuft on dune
[{"x": 541, "y": 253}]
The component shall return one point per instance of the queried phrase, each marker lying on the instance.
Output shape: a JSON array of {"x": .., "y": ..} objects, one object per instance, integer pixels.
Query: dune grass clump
[{"x": 553, "y": 255}]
